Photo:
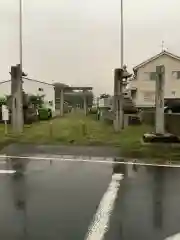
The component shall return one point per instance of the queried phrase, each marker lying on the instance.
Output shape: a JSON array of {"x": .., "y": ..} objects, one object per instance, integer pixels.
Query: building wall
[
  {"x": 32, "y": 88},
  {"x": 145, "y": 96},
  {"x": 39, "y": 88}
]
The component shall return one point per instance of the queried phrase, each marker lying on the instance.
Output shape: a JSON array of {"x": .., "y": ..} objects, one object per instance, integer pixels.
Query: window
[
  {"x": 176, "y": 74},
  {"x": 40, "y": 90},
  {"x": 152, "y": 75},
  {"x": 51, "y": 103},
  {"x": 134, "y": 94},
  {"x": 149, "y": 96}
]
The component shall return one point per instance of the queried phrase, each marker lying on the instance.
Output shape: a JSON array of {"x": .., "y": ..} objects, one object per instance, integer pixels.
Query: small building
[
  {"x": 32, "y": 87},
  {"x": 142, "y": 86}
]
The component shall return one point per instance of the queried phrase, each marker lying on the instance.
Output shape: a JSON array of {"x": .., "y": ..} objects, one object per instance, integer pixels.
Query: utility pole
[
  {"x": 118, "y": 106},
  {"x": 17, "y": 118},
  {"x": 160, "y": 80},
  {"x": 16, "y": 99},
  {"x": 120, "y": 75}
]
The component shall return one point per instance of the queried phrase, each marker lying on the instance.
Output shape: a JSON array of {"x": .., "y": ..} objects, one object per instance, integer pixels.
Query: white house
[
  {"x": 142, "y": 86},
  {"x": 33, "y": 87}
]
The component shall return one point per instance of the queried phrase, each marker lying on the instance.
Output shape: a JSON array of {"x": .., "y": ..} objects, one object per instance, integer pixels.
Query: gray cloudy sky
[{"x": 77, "y": 41}]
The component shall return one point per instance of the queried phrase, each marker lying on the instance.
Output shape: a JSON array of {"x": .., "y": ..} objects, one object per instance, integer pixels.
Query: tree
[
  {"x": 3, "y": 101},
  {"x": 104, "y": 95},
  {"x": 36, "y": 100},
  {"x": 78, "y": 99}
]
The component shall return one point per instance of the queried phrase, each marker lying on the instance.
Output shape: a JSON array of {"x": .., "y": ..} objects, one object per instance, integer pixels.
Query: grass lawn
[
  {"x": 132, "y": 147},
  {"x": 4, "y": 139},
  {"x": 74, "y": 129},
  {"x": 77, "y": 129}
]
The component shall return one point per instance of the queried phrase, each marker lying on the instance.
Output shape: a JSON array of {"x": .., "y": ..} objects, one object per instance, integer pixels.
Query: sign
[{"x": 5, "y": 113}]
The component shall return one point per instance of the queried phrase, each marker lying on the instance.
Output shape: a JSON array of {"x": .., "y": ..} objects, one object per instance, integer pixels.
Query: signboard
[{"x": 5, "y": 113}]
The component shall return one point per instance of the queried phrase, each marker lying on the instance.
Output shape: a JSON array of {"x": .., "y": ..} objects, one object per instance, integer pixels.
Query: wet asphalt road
[{"x": 57, "y": 200}]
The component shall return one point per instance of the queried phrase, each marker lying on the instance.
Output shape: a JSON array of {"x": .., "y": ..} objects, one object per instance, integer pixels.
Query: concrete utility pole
[
  {"x": 160, "y": 81},
  {"x": 119, "y": 75},
  {"x": 118, "y": 99},
  {"x": 16, "y": 95}
]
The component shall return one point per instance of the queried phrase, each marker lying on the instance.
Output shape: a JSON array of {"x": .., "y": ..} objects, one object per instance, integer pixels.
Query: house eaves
[{"x": 155, "y": 57}]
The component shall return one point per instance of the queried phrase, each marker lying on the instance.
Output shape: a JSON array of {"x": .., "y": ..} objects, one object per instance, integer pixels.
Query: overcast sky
[{"x": 77, "y": 42}]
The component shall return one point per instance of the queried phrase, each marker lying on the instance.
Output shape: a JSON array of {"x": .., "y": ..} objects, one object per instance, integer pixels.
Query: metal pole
[
  {"x": 122, "y": 34},
  {"x": 20, "y": 34},
  {"x": 20, "y": 114},
  {"x": 120, "y": 112}
]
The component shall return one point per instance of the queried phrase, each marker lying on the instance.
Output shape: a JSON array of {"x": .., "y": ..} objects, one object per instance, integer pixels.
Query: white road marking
[
  {"x": 175, "y": 237},
  {"x": 100, "y": 223},
  {"x": 73, "y": 158},
  {"x": 7, "y": 171}
]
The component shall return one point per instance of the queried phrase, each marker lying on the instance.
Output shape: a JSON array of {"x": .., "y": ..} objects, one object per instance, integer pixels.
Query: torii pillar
[
  {"x": 85, "y": 104},
  {"x": 62, "y": 102}
]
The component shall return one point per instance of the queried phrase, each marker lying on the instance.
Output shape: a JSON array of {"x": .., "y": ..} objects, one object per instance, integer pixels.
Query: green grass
[
  {"x": 77, "y": 129},
  {"x": 131, "y": 146},
  {"x": 4, "y": 139}
]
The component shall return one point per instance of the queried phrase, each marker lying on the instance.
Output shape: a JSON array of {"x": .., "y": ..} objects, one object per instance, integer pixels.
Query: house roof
[{"x": 155, "y": 57}]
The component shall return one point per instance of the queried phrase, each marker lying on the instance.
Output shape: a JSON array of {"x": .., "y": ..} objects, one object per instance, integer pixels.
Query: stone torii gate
[{"x": 84, "y": 93}]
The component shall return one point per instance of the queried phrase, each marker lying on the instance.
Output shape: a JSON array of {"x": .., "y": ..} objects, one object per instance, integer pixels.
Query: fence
[{"x": 172, "y": 121}]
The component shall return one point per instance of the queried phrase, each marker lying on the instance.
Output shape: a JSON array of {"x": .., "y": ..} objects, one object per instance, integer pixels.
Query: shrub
[{"x": 43, "y": 114}]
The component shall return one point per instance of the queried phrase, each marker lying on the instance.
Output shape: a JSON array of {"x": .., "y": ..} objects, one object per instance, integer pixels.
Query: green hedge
[{"x": 43, "y": 114}]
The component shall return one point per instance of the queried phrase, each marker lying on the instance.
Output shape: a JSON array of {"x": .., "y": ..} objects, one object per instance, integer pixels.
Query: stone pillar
[
  {"x": 159, "y": 99},
  {"x": 85, "y": 104},
  {"x": 126, "y": 120},
  {"x": 62, "y": 103}
]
